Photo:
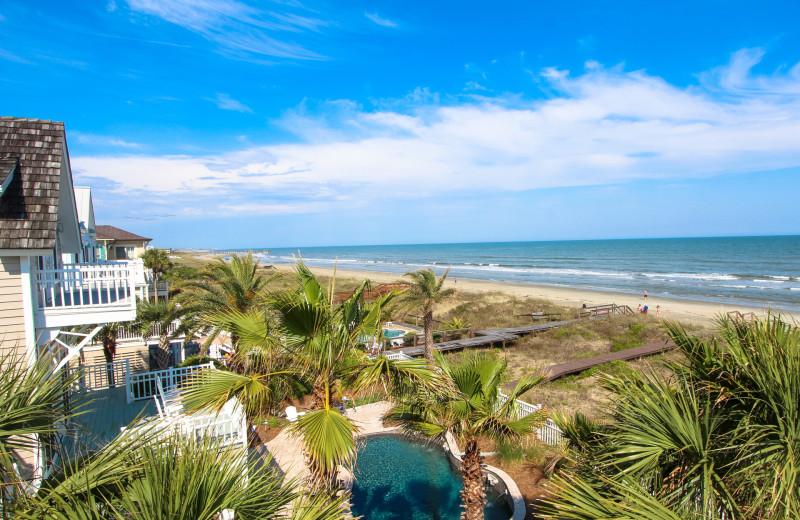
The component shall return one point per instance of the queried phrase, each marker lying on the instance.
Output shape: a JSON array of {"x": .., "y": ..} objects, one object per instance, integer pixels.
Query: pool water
[
  {"x": 399, "y": 479},
  {"x": 393, "y": 333}
]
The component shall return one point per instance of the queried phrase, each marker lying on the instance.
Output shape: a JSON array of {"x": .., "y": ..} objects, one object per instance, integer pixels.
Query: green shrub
[
  {"x": 510, "y": 452},
  {"x": 192, "y": 361},
  {"x": 408, "y": 339},
  {"x": 630, "y": 339}
]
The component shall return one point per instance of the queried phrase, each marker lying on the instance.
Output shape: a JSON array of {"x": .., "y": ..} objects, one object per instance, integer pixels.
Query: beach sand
[{"x": 686, "y": 311}]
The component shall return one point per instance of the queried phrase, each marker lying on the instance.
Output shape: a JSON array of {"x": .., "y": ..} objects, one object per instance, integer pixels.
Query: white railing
[
  {"x": 103, "y": 375},
  {"x": 143, "y": 385},
  {"x": 228, "y": 427},
  {"x": 548, "y": 433},
  {"x": 84, "y": 285},
  {"x": 393, "y": 356},
  {"x": 129, "y": 334}
]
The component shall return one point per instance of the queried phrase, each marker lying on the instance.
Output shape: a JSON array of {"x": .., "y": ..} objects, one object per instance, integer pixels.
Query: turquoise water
[
  {"x": 398, "y": 479},
  {"x": 757, "y": 271},
  {"x": 393, "y": 333}
]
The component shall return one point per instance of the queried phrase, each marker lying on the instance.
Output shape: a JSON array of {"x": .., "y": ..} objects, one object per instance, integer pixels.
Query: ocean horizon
[{"x": 761, "y": 271}]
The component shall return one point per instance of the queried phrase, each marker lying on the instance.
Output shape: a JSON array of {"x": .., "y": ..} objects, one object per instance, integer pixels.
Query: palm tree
[
  {"x": 224, "y": 287},
  {"x": 469, "y": 407},
  {"x": 155, "y": 318},
  {"x": 717, "y": 440},
  {"x": 320, "y": 339},
  {"x": 426, "y": 291},
  {"x": 157, "y": 261},
  {"x": 108, "y": 338},
  {"x": 35, "y": 408}
]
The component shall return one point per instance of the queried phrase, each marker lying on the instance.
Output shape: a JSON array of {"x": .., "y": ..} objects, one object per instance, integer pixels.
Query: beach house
[
  {"x": 56, "y": 296},
  {"x": 118, "y": 244}
]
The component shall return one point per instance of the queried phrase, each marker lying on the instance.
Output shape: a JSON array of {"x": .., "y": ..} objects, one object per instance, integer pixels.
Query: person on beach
[
  {"x": 645, "y": 294},
  {"x": 658, "y": 311},
  {"x": 639, "y": 309},
  {"x": 645, "y": 309}
]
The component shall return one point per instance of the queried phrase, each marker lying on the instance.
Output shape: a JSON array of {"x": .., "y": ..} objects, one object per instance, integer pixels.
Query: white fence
[
  {"x": 103, "y": 375},
  {"x": 548, "y": 433},
  {"x": 143, "y": 385},
  {"x": 395, "y": 356}
]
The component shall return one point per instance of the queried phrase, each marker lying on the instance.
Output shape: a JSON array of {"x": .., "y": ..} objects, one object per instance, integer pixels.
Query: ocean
[{"x": 753, "y": 271}]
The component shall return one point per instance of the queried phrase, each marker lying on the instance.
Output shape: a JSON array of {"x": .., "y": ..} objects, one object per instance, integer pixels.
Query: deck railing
[
  {"x": 143, "y": 385},
  {"x": 85, "y": 285},
  {"x": 102, "y": 375},
  {"x": 549, "y": 432}
]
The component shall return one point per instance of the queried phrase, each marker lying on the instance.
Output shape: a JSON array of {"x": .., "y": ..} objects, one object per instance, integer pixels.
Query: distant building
[{"x": 117, "y": 244}]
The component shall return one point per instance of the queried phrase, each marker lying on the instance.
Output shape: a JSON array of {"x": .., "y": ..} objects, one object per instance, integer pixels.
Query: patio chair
[
  {"x": 292, "y": 414},
  {"x": 171, "y": 400}
]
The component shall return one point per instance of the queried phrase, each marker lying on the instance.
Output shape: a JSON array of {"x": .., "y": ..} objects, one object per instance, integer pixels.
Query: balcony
[{"x": 82, "y": 294}]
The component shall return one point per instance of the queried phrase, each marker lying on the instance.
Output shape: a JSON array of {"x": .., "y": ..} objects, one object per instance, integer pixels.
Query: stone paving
[{"x": 288, "y": 451}]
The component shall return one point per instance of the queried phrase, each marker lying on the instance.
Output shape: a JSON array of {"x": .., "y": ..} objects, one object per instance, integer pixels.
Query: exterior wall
[
  {"x": 138, "y": 250},
  {"x": 12, "y": 314}
]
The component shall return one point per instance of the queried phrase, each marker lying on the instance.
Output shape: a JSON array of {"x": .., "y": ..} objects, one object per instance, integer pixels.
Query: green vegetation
[
  {"x": 631, "y": 339},
  {"x": 718, "y": 439}
]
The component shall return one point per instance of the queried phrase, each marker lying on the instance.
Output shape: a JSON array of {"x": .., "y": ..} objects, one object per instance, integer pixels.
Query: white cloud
[
  {"x": 375, "y": 17},
  {"x": 240, "y": 29},
  {"x": 101, "y": 140},
  {"x": 605, "y": 126},
  {"x": 225, "y": 102}
]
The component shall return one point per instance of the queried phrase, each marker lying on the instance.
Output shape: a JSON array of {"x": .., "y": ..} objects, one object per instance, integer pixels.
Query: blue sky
[{"x": 225, "y": 123}]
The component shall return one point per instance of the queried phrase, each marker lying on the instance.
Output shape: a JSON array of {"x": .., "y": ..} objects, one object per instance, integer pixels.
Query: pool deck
[{"x": 287, "y": 451}]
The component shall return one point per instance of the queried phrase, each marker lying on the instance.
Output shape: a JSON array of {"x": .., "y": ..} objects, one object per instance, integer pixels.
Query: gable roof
[
  {"x": 29, "y": 208},
  {"x": 115, "y": 233}
]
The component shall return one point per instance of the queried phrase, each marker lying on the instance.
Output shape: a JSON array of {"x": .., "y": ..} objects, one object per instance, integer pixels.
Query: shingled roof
[
  {"x": 115, "y": 233},
  {"x": 29, "y": 207}
]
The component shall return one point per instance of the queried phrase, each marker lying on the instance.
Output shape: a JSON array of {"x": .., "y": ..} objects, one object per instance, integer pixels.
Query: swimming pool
[
  {"x": 397, "y": 478},
  {"x": 393, "y": 333}
]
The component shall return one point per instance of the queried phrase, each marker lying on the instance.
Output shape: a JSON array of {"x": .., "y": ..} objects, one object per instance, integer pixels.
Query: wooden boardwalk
[
  {"x": 579, "y": 365},
  {"x": 525, "y": 329},
  {"x": 457, "y": 344},
  {"x": 483, "y": 338}
]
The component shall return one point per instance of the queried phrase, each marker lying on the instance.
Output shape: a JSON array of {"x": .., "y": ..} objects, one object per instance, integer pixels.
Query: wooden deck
[
  {"x": 107, "y": 412},
  {"x": 579, "y": 365}
]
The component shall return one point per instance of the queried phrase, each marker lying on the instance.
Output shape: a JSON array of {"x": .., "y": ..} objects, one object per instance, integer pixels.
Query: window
[{"x": 125, "y": 253}]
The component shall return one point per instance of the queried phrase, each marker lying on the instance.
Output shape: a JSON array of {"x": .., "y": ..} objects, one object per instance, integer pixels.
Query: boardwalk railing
[
  {"x": 143, "y": 385},
  {"x": 605, "y": 310},
  {"x": 85, "y": 285},
  {"x": 102, "y": 375},
  {"x": 129, "y": 334},
  {"x": 548, "y": 433}
]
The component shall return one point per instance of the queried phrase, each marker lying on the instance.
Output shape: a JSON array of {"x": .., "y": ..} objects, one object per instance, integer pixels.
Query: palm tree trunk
[
  {"x": 162, "y": 353},
  {"x": 427, "y": 323},
  {"x": 472, "y": 495}
]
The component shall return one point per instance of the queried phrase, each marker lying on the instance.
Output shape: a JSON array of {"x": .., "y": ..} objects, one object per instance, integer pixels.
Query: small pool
[
  {"x": 393, "y": 333},
  {"x": 397, "y": 478}
]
